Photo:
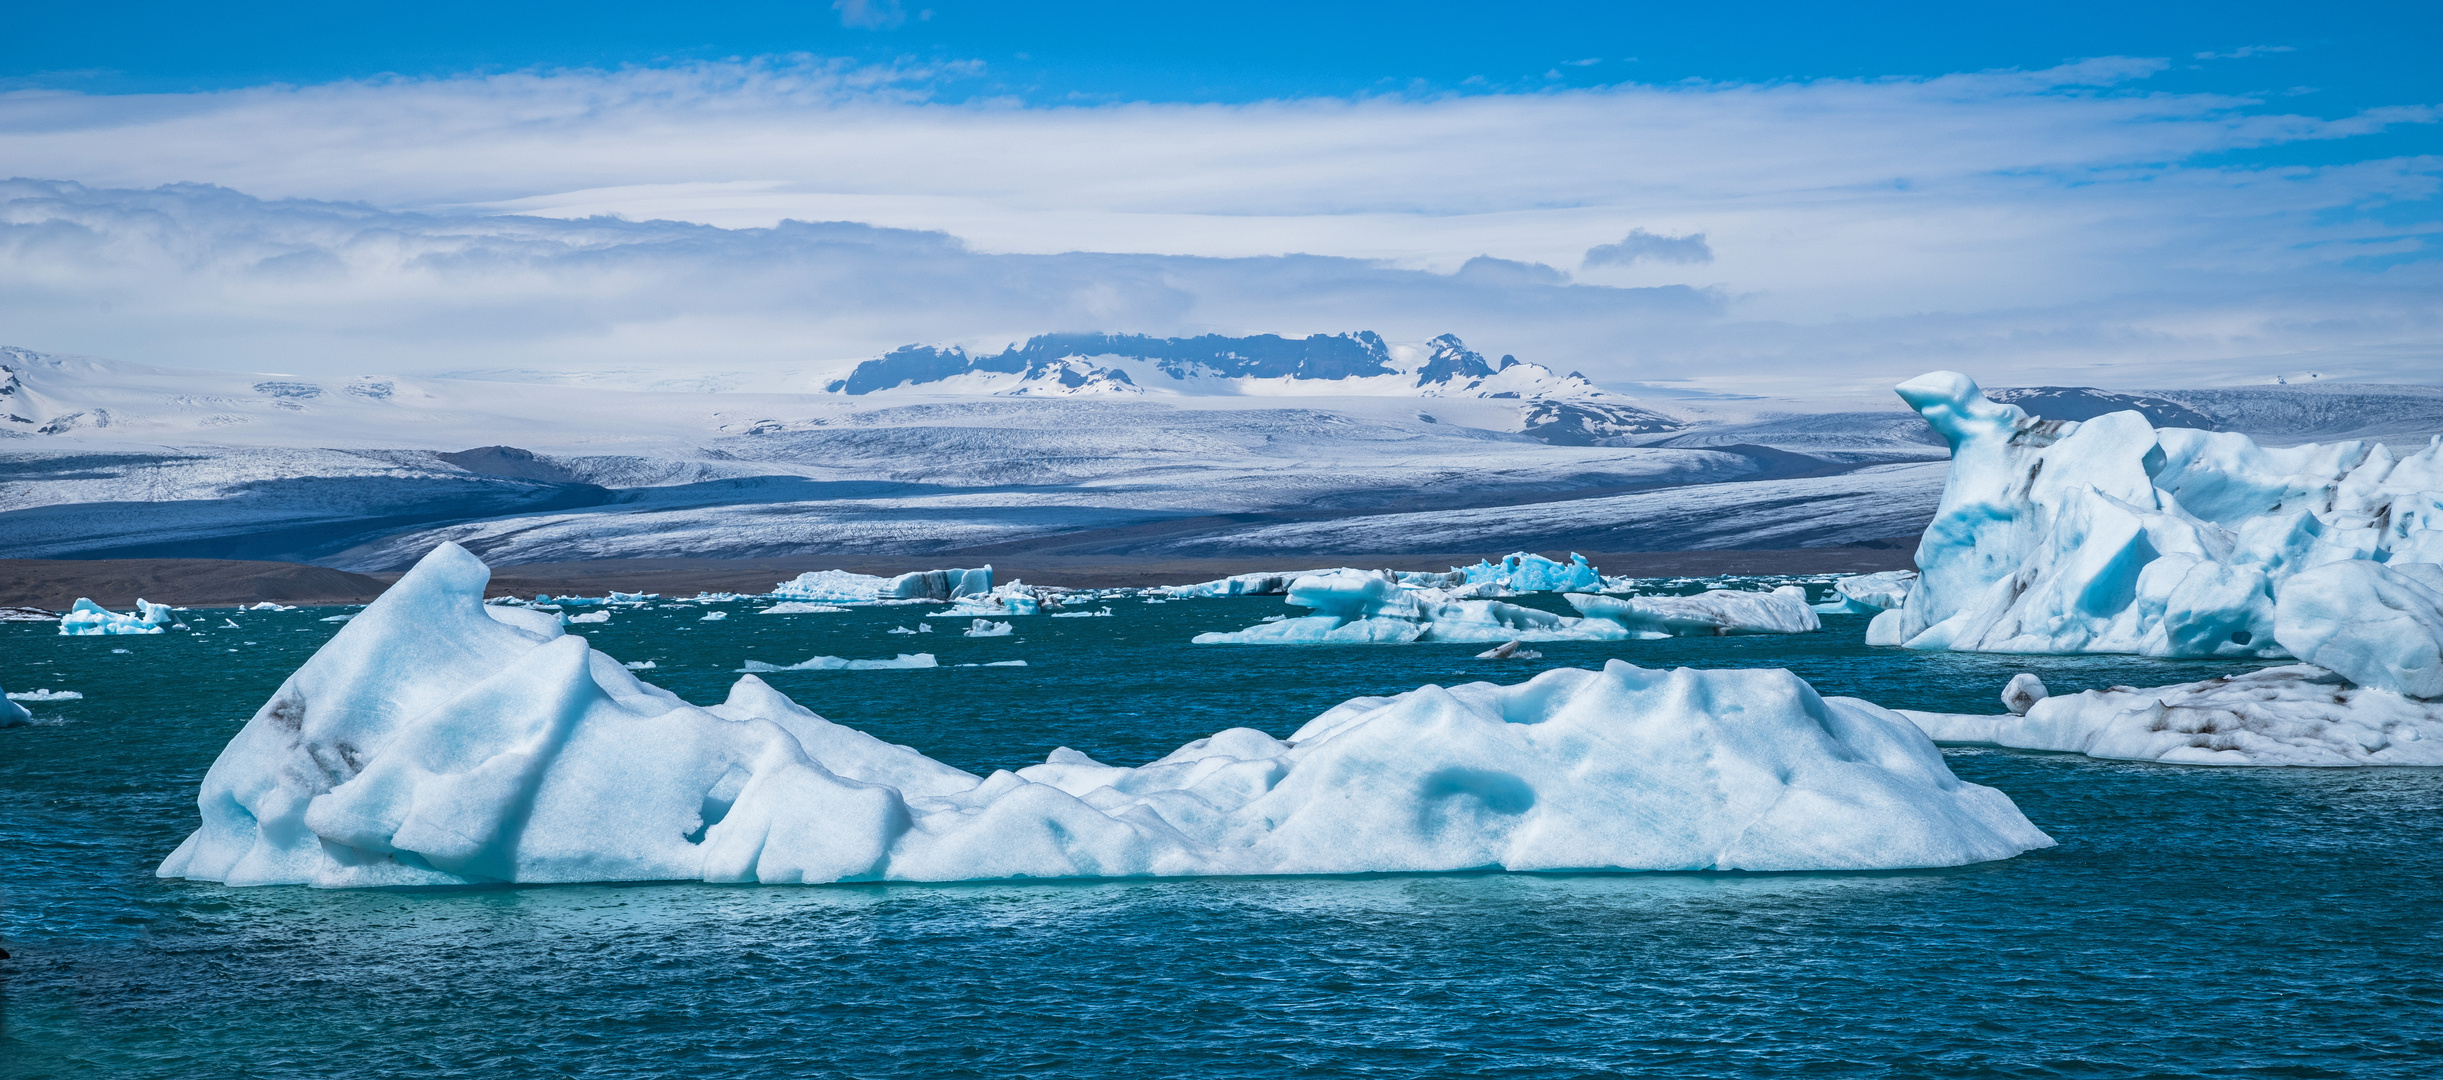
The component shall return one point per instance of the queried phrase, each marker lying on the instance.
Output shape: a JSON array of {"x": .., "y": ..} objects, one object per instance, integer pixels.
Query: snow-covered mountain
[{"x": 1565, "y": 410}]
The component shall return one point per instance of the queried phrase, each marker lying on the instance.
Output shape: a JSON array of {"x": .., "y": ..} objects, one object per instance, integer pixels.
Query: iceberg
[
  {"x": 842, "y": 587},
  {"x": 1714, "y": 612},
  {"x": 1868, "y": 594},
  {"x": 599, "y": 617},
  {"x": 1526, "y": 572},
  {"x": 88, "y": 619},
  {"x": 2111, "y": 535},
  {"x": 714, "y": 616},
  {"x": 13, "y": 714},
  {"x": 2377, "y": 627},
  {"x": 261, "y": 605},
  {"x": 902, "y": 662},
  {"x": 1105, "y": 613},
  {"x": 987, "y": 628},
  {"x": 799, "y": 607},
  {"x": 2297, "y": 714},
  {"x": 1362, "y": 607},
  {"x": 1010, "y": 599},
  {"x": 45, "y": 694},
  {"x": 1259, "y": 584},
  {"x": 437, "y": 741}
]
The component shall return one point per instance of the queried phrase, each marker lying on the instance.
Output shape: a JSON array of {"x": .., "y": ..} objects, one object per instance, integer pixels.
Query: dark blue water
[{"x": 2193, "y": 922}]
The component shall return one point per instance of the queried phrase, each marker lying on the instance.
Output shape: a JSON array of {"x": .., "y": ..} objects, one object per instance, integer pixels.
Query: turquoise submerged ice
[
  {"x": 2110, "y": 535},
  {"x": 435, "y": 740}
]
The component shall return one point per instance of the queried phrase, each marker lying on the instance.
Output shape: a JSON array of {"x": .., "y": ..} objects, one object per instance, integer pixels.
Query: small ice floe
[
  {"x": 28, "y": 614},
  {"x": 988, "y": 628},
  {"x": 591, "y": 617},
  {"x": 2024, "y": 691},
  {"x": 89, "y": 619},
  {"x": 639, "y": 665},
  {"x": 714, "y": 616},
  {"x": 46, "y": 694},
  {"x": 799, "y": 607},
  {"x": 921, "y": 628},
  {"x": 230, "y": 624},
  {"x": 999, "y": 663},
  {"x": 1105, "y": 613},
  {"x": 267, "y": 605},
  {"x": 1509, "y": 650},
  {"x": 902, "y": 662},
  {"x": 339, "y": 618}
]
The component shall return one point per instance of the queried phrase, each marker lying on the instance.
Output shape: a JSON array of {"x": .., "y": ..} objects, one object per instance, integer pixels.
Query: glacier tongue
[
  {"x": 2110, "y": 535},
  {"x": 437, "y": 740}
]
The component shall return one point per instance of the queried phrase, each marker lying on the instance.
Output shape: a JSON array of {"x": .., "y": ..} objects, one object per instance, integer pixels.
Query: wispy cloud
[
  {"x": 870, "y": 14},
  {"x": 1887, "y": 221},
  {"x": 1643, "y": 246},
  {"x": 2244, "y": 52}
]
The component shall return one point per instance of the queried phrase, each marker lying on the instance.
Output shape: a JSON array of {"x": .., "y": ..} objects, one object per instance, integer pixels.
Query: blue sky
[{"x": 2114, "y": 194}]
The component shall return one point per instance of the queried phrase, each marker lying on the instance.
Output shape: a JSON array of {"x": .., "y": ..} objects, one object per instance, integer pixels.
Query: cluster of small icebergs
[{"x": 1356, "y": 606}]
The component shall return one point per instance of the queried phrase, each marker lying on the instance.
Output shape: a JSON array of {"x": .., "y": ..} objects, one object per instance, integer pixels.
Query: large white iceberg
[
  {"x": 843, "y": 587},
  {"x": 1270, "y": 583},
  {"x": 2298, "y": 714},
  {"x": 436, "y": 741},
  {"x": 2110, "y": 535},
  {"x": 88, "y": 619},
  {"x": 2377, "y": 627},
  {"x": 11, "y": 713}
]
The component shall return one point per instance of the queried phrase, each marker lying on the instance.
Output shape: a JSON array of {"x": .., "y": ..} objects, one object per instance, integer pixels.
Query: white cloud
[
  {"x": 871, "y": 14},
  {"x": 1879, "y": 222},
  {"x": 1642, "y": 246}
]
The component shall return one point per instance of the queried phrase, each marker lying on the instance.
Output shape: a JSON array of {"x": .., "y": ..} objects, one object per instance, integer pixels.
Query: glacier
[
  {"x": 437, "y": 741},
  {"x": 2296, "y": 714},
  {"x": 88, "y": 619},
  {"x": 2113, "y": 535}
]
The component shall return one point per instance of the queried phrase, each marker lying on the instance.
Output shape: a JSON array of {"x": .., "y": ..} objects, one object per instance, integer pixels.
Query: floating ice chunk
[
  {"x": 1868, "y": 594},
  {"x": 13, "y": 714},
  {"x": 229, "y": 624},
  {"x": 599, "y": 617},
  {"x": 640, "y": 665},
  {"x": 1509, "y": 650},
  {"x": 842, "y": 587},
  {"x": 88, "y": 619},
  {"x": 1361, "y": 607},
  {"x": 1718, "y": 612},
  {"x": 618, "y": 597},
  {"x": 2109, "y": 535},
  {"x": 1272, "y": 583},
  {"x": 799, "y": 607},
  {"x": 1010, "y": 599},
  {"x": 2297, "y": 714},
  {"x": 988, "y": 628},
  {"x": 902, "y": 662},
  {"x": 46, "y": 694},
  {"x": 998, "y": 663},
  {"x": 714, "y": 616},
  {"x": 338, "y": 618},
  {"x": 262, "y": 605},
  {"x": 1526, "y": 572},
  {"x": 2370, "y": 625},
  {"x": 2023, "y": 692},
  {"x": 436, "y": 741},
  {"x": 1105, "y": 613}
]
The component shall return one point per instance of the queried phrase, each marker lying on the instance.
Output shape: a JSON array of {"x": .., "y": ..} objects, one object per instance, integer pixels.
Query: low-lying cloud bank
[{"x": 2061, "y": 222}]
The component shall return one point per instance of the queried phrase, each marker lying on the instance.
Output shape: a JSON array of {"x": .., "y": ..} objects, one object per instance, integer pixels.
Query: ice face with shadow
[
  {"x": 1869, "y": 594},
  {"x": 2111, "y": 535},
  {"x": 436, "y": 741},
  {"x": 1713, "y": 613}
]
